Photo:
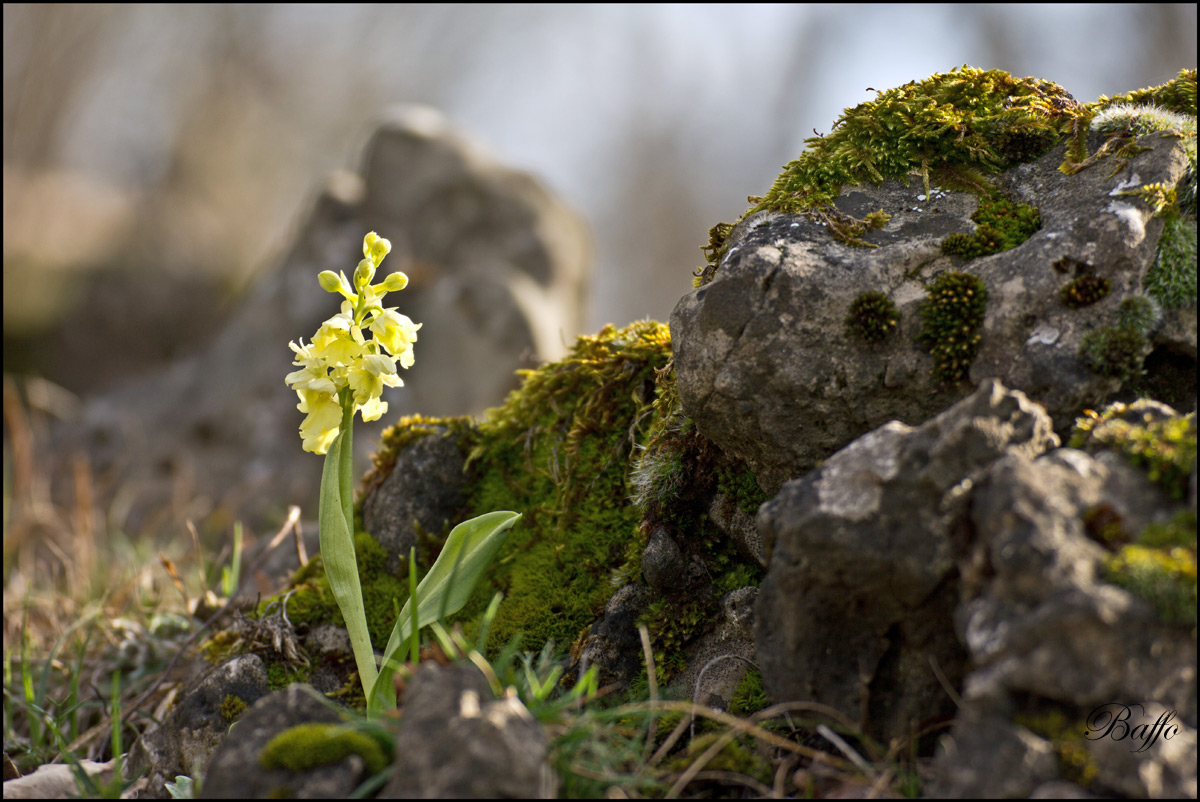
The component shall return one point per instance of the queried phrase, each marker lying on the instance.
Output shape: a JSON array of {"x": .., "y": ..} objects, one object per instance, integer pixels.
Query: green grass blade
[
  {"x": 231, "y": 575},
  {"x": 414, "y": 646},
  {"x": 445, "y": 589},
  {"x": 341, "y": 566}
]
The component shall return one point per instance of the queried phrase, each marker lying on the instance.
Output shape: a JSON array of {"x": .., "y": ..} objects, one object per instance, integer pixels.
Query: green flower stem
[
  {"x": 346, "y": 460},
  {"x": 337, "y": 543}
]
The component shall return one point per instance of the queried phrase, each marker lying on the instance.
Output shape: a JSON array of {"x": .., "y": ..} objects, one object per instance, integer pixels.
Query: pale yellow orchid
[{"x": 341, "y": 357}]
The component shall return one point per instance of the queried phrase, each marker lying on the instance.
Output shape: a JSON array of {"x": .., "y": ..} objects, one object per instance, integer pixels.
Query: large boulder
[
  {"x": 860, "y": 591},
  {"x": 770, "y": 371},
  {"x": 497, "y": 269}
]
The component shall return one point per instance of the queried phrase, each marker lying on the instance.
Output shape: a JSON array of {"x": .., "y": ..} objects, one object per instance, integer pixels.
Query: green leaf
[
  {"x": 341, "y": 567},
  {"x": 445, "y": 589}
]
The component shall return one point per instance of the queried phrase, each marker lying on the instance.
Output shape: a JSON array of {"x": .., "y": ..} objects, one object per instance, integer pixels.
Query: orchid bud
[
  {"x": 376, "y": 247},
  {"x": 394, "y": 282},
  {"x": 329, "y": 281},
  {"x": 364, "y": 273}
]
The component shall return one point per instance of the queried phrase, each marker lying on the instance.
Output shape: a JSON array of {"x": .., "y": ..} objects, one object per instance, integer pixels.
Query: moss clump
[
  {"x": 1138, "y": 119},
  {"x": 232, "y": 707},
  {"x": 1115, "y": 351},
  {"x": 737, "y": 757},
  {"x": 280, "y": 675},
  {"x": 309, "y": 746},
  {"x": 559, "y": 450},
  {"x": 1177, "y": 95},
  {"x": 1162, "y": 445},
  {"x": 947, "y": 128},
  {"x": 1085, "y": 291},
  {"x": 951, "y": 316},
  {"x": 1139, "y": 313},
  {"x": 872, "y": 317},
  {"x": 1172, "y": 278},
  {"x": 1160, "y": 567},
  {"x": 1003, "y": 224},
  {"x": 737, "y": 482},
  {"x": 311, "y": 599},
  {"x": 749, "y": 697},
  {"x": 1067, "y": 736},
  {"x": 1120, "y": 351}
]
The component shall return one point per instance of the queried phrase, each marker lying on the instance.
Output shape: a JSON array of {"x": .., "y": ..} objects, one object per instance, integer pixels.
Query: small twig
[
  {"x": 690, "y": 773},
  {"x": 946, "y": 686},
  {"x": 700, "y": 676},
  {"x": 845, "y": 748},
  {"x": 652, "y": 683}
]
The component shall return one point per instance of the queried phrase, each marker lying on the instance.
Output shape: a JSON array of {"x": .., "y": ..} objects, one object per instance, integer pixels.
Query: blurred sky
[{"x": 191, "y": 138}]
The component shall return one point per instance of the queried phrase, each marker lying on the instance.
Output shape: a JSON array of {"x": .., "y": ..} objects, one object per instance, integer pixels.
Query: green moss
[
  {"x": 1115, "y": 351},
  {"x": 559, "y": 451},
  {"x": 1084, "y": 291},
  {"x": 1160, "y": 567},
  {"x": 232, "y": 707},
  {"x": 1172, "y": 278},
  {"x": 311, "y": 600},
  {"x": 949, "y": 128},
  {"x": 951, "y": 316},
  {"x": 1138, "y": 313},
  {"x": 749, "y": 697},
  {"x": 737, "y": 757},
  {"x": 872, "y": 317},
  {"x": 1002, "y": 224},
  {"x": 1159, "y": 564},
  {"x": 737, "y": 482},
  {"x": 280, "y": 675},
  {"x": 1177, "y": 95},
  {"x": 309, "y": 746},
  {"x": 1067, "y": 737},
  {"x": 1164, "y": 447}
]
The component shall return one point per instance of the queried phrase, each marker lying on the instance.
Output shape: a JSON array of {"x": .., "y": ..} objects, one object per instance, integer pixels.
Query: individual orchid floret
[
  {"x": 396, "y": 333},
  {"x": 368, "y": 378},
  {"x": 323, "y": 423}
]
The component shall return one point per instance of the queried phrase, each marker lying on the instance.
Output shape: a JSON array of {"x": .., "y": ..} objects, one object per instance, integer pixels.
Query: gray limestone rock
[
  {"x": 190, "y": 734},
  {"x": 731, "y": 519},
  {"x": 612, "y": 644},
  {"x": 425, "y": 491},
  {"x": 236, "y": 773},
  {"x": 1045, "y": 632},
  {"x": 767, "y": 370},
  {"x": 860, "y": 589},
  {"x": 457, "y": 741},
  {"x": 663, "y": 565},
  {"x": 718, "y": 660},
  {"x": 497, "y": 270}
]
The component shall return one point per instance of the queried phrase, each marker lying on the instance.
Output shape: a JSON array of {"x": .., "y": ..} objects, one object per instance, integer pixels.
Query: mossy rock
[{"x": 954, "y": 129}]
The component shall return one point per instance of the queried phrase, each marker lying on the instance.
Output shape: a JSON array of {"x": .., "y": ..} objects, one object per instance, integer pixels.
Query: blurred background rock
[{"x": 156, "y": 158}]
